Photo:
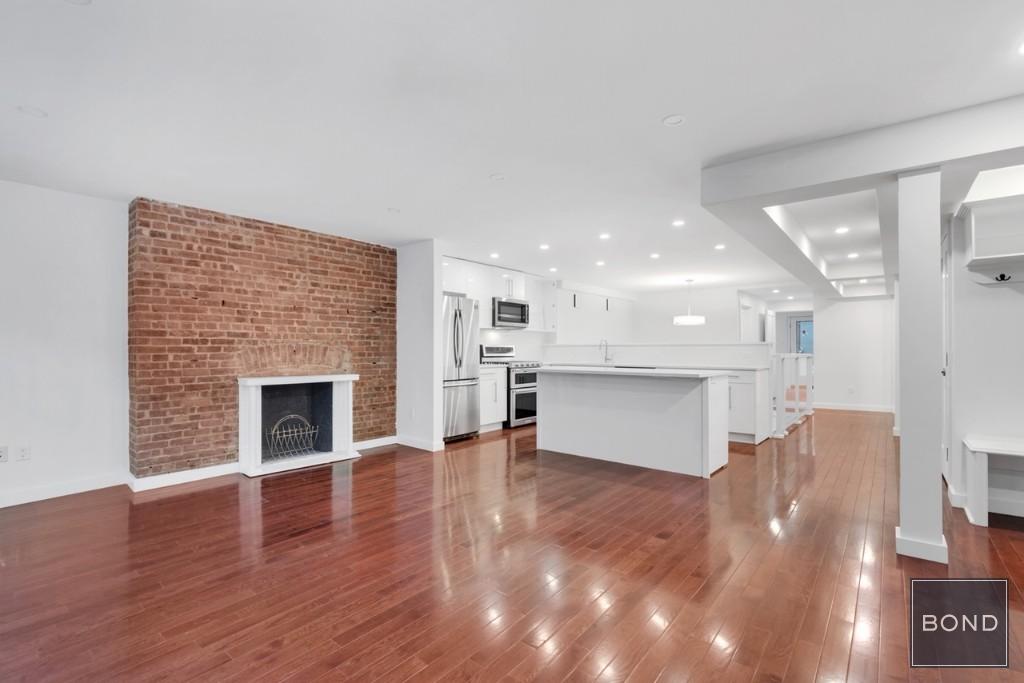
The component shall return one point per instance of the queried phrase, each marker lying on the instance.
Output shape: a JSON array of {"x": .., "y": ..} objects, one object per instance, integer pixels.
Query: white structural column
[
  {"x": 419, "y": 401},
  {"x": 920, "y": 350}
]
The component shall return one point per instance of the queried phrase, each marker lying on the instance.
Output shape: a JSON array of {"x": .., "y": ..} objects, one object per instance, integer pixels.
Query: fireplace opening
[{"x": 296, "y": 420}]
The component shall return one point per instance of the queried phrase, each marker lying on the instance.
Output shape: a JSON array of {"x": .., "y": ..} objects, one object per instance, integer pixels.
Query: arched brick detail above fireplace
[{"x": 270, "y": 359}]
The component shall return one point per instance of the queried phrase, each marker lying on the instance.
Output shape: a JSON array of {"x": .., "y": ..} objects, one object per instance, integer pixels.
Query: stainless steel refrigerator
[{"x": 461, "y": 324}]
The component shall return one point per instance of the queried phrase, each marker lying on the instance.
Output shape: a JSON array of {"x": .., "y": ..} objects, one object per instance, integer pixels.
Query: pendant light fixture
[{"x": 689, "y": 318}]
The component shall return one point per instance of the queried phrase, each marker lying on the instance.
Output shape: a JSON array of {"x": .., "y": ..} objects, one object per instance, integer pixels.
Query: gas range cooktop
[{"x": 513, "y": 363}]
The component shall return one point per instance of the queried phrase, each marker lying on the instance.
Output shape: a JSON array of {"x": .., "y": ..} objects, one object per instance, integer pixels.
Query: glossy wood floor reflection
[{"x": 490, "y": 562}]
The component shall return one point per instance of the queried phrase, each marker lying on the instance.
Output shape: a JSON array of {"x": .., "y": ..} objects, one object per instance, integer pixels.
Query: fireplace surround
[{"x": 313, "y": 416}]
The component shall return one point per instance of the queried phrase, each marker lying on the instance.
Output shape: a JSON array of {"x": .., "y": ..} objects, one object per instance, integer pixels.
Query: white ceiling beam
[
  {"x": 867, "y": 158},
  {"x": 801, "y": 260}
]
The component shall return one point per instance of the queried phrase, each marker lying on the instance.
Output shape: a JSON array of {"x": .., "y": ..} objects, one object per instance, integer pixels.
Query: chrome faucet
[{"x": 607, "y": 355}]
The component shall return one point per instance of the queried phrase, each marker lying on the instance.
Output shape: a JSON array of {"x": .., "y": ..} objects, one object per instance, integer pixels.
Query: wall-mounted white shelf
[{"x": 995, "y": 238}]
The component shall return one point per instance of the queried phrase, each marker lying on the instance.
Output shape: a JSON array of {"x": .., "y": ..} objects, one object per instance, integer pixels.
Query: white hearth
[{"x": 329, "y": 441}]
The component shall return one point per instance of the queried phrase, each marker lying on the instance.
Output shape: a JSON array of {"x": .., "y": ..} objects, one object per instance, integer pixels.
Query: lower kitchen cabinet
[{"x": 493, "y": 398}]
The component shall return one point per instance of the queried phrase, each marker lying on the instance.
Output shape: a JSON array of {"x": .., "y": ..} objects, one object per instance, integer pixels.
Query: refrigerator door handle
[
  {"x": 455, "y": 337},
  {"x": 458, "y": 338}
]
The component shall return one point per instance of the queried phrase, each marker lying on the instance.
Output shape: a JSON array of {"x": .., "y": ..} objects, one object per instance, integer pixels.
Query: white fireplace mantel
[{"x": 250, "y": 424}]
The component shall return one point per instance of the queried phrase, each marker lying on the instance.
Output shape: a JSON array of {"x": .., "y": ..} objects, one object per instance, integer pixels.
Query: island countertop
[{"x": 632, "y": 371}]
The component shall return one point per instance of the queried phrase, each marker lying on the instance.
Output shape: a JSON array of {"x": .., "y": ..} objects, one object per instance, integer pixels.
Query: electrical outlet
[
  {"x": 3, "y": 453},
  {"x": 23, "y": 453}
]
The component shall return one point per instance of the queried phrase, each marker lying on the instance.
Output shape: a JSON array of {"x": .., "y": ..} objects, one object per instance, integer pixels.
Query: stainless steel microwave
[{"x": 507, "y": 312}]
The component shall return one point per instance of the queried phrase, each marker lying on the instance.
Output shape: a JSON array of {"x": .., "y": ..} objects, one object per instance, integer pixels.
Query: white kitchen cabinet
[
  {"x": 466, "y": 277},
  {"x": 585, "y": 318},
  {"x": 742, "y": 419},
  {"x": 510, "y": 284},
  {"x": 483, "y": 282},
  {"x": 493, "y": 397},
  {"x": 541, "y": 294}
]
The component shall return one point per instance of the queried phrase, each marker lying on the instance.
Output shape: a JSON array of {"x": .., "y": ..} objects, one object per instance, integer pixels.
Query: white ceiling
[
  {"x": 326, "y": 115},
  {"x": 856, "y": 211}
]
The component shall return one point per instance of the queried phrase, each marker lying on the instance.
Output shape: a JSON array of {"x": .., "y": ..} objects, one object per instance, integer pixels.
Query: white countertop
[
  {"x": 679, "y": 373},
  {"x": 295, "y": 379}
]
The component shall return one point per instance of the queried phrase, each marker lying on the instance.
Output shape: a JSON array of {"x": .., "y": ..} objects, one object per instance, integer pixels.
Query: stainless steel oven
[
  {"x": 507, "y": 312},
  {"x": 522, "y": 406},
  {"x": 522, "y": 393}
]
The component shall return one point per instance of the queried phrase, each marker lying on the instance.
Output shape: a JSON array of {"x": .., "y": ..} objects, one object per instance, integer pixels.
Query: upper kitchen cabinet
[
  {"x": 510, "y": 284},
  {"x": 586, "y": 318},
  {"x": 483, "y": 283},
  {"x": 464, "y": 277},
  {"x": 542, "y": 295}
]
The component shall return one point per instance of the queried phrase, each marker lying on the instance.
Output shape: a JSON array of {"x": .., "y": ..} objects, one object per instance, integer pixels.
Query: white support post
[{"x": 920, "y": 349}]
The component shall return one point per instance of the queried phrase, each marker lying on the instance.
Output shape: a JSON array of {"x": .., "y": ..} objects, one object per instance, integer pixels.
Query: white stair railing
[{"x": 793, "y": 375}]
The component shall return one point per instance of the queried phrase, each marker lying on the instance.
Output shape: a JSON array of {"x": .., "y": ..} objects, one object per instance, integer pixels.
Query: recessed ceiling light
[
  {"x": 842, "y": 230},
  {"x": 497, "y": 176},
  {"x": 655, "y": 255},
  {"x": 553, "y": 270},
  {"x": 678, "y": 223},
  {"x": 445, "y": 263},
  {"x": 790, "y": 298},
  {"x": 599, "y": 263},
  {"x": 853, "y": 254},
  {"x": 495, "y": 254},
  {"x": 392, "y": 209},
  {"x": 775, "y": 291},
  {"x": 604, "y": 236},
  {"x": 719, "y": 247},
  {"x": 863, "y": 280},
  {"x": 34, "y": 112},
  {"x": 673, "y": 120},
  {"x": 545, "y": 247}
]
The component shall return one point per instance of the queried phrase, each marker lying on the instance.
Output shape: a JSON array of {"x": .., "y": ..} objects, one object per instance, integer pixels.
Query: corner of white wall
[
  {"x": 419, "y": 395},
  {"x": 63, "y": 342}
]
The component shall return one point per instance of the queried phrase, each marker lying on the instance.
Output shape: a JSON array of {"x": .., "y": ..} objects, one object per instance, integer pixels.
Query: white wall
[
  {"x": 752, "y": 313},
  {"x": 653, "y": 311},
  {"x": 419, "y": 401},
  {"x": 853, "y": 354},
  {"x": 63, "y": 342}
]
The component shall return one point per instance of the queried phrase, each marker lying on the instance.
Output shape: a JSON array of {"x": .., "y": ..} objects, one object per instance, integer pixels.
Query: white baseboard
[
  {"x": 1006, "y": 502},
  {"x": 862, "y": 407},
  {"x": 422, "y": 444},
  {"x": 64, "y": 488},
  {"x": 375, "y": 443},
  {"x": 925, "y": 550},
  {"x": 497, "y": 426},
  {"x": 956, "y": 498},
  {"x": 157, "y": 481}
]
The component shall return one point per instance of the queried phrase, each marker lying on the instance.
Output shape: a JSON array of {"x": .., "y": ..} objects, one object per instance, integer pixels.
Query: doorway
[{"x": 801, "y": 333}]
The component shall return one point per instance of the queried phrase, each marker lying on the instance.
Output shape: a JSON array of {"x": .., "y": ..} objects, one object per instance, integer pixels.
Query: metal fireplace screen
[{"x": 290, "y": 436}]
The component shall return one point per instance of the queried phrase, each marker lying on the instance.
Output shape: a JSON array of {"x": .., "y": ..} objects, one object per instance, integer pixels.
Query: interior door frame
[
  {"x": 947, "y": 335},
  {"x": 794, "y": 336}
]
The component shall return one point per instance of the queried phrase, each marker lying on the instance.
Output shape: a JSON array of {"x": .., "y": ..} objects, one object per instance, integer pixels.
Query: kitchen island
[{"x": 669, "y": 419}]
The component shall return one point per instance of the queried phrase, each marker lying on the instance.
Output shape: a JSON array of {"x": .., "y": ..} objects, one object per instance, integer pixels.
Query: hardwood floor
[{"x": 491, "y": 562}]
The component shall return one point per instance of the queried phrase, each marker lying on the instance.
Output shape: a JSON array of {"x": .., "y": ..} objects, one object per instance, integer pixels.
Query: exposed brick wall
[{"x": 212, "y": 297}]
